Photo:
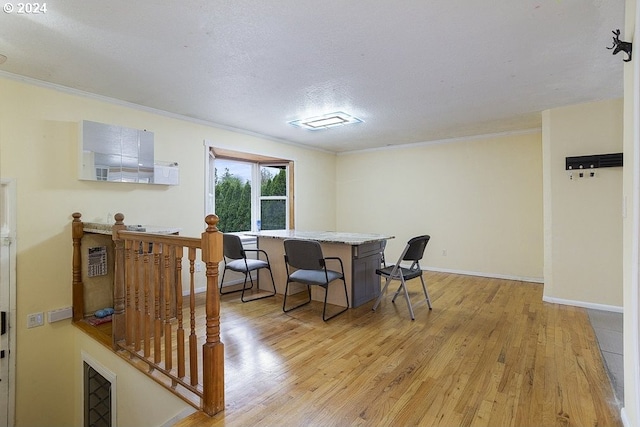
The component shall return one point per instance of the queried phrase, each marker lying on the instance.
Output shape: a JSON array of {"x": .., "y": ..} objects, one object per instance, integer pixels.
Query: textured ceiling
[{"x": 412, "y": 70}]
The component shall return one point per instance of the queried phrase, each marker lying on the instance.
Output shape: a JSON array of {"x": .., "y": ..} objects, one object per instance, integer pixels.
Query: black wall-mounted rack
[{"x": 594, "y": 161}]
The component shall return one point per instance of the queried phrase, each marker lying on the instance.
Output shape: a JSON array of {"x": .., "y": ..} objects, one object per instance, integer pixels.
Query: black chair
[
  {"x": 235, "y": 259},
  {"x": 306, "y": 264},
  {"x": 413, "y": 252}
]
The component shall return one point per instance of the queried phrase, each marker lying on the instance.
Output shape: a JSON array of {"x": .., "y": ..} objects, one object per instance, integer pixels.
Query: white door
[{"x": 7, "y": 303}]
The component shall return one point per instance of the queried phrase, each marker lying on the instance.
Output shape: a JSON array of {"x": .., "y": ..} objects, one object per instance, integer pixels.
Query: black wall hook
[{"x": 619, "y": 45}]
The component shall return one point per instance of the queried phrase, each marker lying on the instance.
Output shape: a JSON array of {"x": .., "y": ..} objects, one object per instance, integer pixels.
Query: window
[
  {"x": 273, "y": 197},
  {"x": 248, "y": 192}
]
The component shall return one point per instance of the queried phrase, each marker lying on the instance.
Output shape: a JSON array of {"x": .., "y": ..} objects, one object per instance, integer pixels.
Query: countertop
[
  {"x": 353, "y": 239},
  {"x": 99, "y": 228}
]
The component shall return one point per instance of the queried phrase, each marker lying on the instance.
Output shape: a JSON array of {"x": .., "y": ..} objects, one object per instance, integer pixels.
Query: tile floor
[{"x": 608, "y": 328}]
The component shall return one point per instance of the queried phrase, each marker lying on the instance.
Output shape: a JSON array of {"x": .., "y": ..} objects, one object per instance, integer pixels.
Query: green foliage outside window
[
  {"x": 273, "y": 212},
  {"x": 273, "y": 185},
  {"x": 233, "y": 201}
]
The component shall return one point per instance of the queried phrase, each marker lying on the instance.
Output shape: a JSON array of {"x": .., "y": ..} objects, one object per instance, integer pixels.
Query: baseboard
[
  {"x": 436, "y": 269},
  {"x": 226, "y": 283},
  {"x": 195, "y": 291},
  {"x": 625, "y": 419},
  {"x": 489, "y": 275},
  {"x": 583, "y": 304},
  {"x": 183, "y": 414}
]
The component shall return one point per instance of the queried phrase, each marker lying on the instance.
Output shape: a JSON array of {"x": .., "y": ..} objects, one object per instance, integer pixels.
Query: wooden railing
[{"x": 149, "y": 324}]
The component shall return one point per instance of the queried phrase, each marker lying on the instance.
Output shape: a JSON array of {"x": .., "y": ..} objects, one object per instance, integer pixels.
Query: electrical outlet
[
  {"x": 35, "y": 319},
  {"x": 198, "y": 267},
  {"x": 444, "y": 252}
]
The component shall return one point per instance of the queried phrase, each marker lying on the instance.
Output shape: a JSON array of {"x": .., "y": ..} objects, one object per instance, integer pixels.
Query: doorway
[{"x": 7, "y": 302}]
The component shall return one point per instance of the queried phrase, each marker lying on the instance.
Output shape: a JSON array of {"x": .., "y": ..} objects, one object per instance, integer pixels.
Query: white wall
[
  {"x": 479, "y": 199},
  {"x": 583, "y": 216}
]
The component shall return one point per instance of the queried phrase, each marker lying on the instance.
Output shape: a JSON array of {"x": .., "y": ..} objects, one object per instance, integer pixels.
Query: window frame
[
  {"x": 260, "y": 198},
  {"x": 257, "y": 161}
]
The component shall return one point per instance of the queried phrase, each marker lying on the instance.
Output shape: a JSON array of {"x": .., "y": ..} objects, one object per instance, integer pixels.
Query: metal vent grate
[{"x": 97, "y": 398}]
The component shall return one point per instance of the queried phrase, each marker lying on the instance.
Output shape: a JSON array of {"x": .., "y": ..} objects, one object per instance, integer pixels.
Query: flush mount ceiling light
[{"x": 326, "y": 121}]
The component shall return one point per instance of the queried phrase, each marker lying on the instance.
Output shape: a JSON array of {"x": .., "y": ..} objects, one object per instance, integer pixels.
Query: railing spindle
[
  {"x": 193, "y": 338},
  {"x": 77, "y": 231},
  {"x": 157, "y": 283},
  {"x": 212, "y": 349},
  {"x": 179, "y": 252},
  {"x": 168, "y": 359},
  {"x": 147, "y": 314},
  {"x": 136, "y": 282},
  {"x": 118, "y": 318},
  {"x": 128, "y": 280}
]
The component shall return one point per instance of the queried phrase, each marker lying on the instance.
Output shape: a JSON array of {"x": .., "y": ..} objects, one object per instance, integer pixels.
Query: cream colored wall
[
  {"x": 480, "y": 200},
  {"x": 38, "y": 148},
  {"x": 583, "y": 217},
  {"x": 631, "y": 192},
  {"x": 154, "y": 409}
]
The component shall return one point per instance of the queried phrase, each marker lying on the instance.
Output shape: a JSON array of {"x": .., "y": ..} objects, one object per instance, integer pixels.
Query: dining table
[{"x": 361, "y": 255}]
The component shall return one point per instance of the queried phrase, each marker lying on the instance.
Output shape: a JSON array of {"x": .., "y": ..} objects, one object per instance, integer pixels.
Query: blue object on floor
[{"x": 103, "y": 312}]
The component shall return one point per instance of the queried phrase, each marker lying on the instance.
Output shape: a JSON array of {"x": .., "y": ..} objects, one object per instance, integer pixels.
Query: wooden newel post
[
  {"x": 212, "y": 349},
  {"x": 77, "y": 231},
  {"x": 118, "y": 319}
]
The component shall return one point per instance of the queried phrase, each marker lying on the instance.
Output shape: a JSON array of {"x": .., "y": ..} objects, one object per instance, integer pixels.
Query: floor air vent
[{"x": 99, "y": 401}]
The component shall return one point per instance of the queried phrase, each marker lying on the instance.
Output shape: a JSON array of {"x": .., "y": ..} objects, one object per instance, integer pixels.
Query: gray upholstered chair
[
  {"x": 306, "y": 264},
  {"x": 235, "y": 259},
  {"x": 413, "y": 252}
]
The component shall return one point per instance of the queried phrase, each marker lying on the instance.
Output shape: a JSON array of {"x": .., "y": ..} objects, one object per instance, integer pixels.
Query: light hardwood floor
[{"x": 491, "y": 353}]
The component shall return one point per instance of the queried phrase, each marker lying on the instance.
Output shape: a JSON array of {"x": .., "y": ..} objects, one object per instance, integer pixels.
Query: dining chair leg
[
  {"x": 384, "y": 289},
  {"x": 324, "y": 307},
  {"x": 406, "y": 296},
  {"x": 346, "y": 293},
  {"x": 395, "y": 295},
  {"x": 273, "y": 284},
  {"x": 426, "y": 293},
  {"x": 284, "y": 300},
  {"x": 229, "y": 292}
]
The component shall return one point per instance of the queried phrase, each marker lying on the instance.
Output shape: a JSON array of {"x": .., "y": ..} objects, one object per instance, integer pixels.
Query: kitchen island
[{"x": 360, "y": 253}]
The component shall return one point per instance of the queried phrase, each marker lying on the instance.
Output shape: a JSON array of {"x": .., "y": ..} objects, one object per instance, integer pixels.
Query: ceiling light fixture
[{"x": 326, "y": 121}]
